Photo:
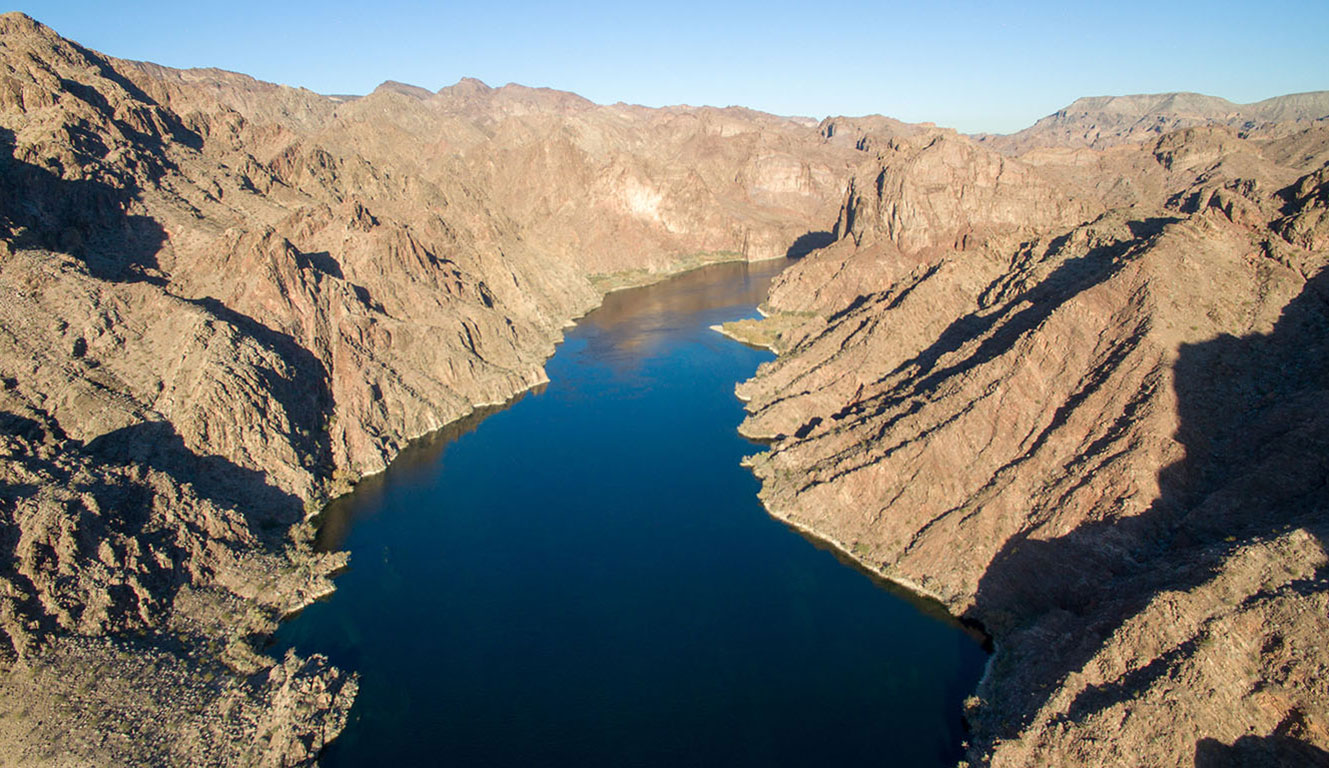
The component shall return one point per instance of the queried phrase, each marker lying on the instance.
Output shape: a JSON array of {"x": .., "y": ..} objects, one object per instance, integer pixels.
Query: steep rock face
[
  {"x": 930, "y": 192},
  {"x": 1104, "y": 121},
  {"x": 1102, "y": 438},
  {"x": 617, "y": 187},
  {"x": 225, "y": 301}
]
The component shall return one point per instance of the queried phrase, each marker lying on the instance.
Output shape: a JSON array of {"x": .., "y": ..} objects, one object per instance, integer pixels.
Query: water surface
[{"x": 586, "y": 578}]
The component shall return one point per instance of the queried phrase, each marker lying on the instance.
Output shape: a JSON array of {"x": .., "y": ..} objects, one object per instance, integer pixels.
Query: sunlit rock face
[{"x": 1079, "y": 396}]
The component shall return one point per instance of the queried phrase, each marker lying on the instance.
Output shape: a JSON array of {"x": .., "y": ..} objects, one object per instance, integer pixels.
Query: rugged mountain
[
  {"x": 226, "y": 300},
  {"x": 1078, "y": 396},
  {"x": 1074, "y": 388},
  {"x": 1105, "y": 121}
]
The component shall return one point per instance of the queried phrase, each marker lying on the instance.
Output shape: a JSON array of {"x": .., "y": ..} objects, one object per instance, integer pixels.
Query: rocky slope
[
  {"x": 225, "y": 301},
  {"x": 1079, "y": 396}
]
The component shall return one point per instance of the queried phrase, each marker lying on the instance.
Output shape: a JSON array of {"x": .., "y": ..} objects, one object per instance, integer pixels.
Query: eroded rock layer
[
  {"x": 223, "y": 301},
  {"x": 1079, "y": 396}
]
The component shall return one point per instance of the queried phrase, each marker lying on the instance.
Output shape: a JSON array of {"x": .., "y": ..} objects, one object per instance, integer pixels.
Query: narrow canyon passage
[{"x": 586, "y": 577}]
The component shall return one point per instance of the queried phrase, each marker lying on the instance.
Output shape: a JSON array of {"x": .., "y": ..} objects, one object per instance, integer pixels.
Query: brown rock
[{"x": 1101, "y": 439}]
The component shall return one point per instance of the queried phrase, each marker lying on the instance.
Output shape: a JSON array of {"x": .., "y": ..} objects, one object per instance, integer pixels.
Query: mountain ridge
[
  {"x": 226, "y": 301},
  {"x": 1103, "y": 121}
]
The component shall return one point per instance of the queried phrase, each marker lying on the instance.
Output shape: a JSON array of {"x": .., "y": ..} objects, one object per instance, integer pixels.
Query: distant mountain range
[{"x": 1104, "y": 121}]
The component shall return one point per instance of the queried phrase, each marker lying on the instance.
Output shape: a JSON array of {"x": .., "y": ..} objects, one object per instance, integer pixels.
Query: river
[{"x": 586, "y": 578}]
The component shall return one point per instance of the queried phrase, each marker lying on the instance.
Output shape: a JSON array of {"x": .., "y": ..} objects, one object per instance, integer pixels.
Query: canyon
[{"x": 1069, "y": 382}]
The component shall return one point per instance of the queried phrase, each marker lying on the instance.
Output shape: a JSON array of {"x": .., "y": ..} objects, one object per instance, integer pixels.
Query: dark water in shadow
[{"x": 587, "y": 579}]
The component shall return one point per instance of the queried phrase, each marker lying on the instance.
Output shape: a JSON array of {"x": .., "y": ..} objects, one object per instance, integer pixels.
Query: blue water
[{"x": 586, "y": 578}]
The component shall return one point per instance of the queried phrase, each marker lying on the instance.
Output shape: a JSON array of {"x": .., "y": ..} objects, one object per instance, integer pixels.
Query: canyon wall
[{"x": 1078, "y": 396}]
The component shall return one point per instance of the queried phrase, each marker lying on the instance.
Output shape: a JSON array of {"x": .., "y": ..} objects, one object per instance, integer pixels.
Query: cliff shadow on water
[
  {"x": 421, "y": 456},
  {"x": 928, "y": 606},
  {"x": 1255, "y": 426}
]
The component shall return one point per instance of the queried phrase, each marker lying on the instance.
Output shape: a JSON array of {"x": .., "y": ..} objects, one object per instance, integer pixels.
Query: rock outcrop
[{"x": 1078, "y": 396}]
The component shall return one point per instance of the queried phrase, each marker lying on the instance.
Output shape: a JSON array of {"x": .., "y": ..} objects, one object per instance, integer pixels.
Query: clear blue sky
[{"x": 976, "y": 66}]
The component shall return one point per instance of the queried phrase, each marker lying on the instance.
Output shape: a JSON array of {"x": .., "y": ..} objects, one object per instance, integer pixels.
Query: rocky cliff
[
  {"x": 225, "y": 301},
  {"x": 1078, "y": 396}
]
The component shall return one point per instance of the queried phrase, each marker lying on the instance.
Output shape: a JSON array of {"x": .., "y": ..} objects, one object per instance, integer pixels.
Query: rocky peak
[
  {"x": 1142, "y": 105},
  {"x": 859, "y": 131},
  {"x": 404, "y": 89},
  {"x": 19, "y": 23},
  {"x": 466, "y": 87}
]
